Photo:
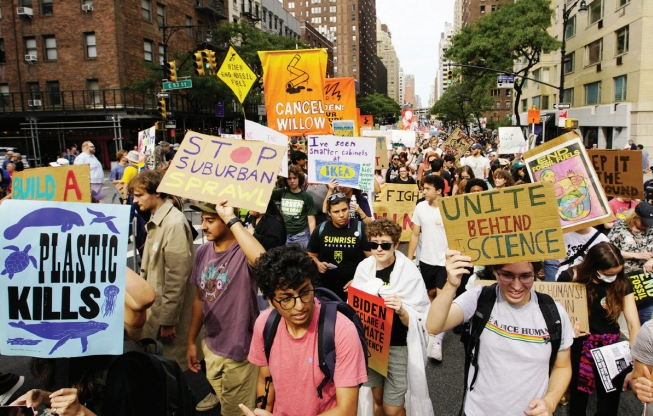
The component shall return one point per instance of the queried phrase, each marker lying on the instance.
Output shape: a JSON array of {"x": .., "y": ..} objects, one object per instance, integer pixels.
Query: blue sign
[
  {"x": 219, "y": 109},
  {"x": 346, "y": 173},
  {"x": 62, "y": 284}
]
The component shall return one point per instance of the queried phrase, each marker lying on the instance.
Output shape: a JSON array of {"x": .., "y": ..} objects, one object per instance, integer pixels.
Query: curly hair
[
  {"x": 297, "y": 171},
  {"x": 285, "y": 267},
  {"x": 383, "y": 226},
  {"x": 475, "y": 182}
]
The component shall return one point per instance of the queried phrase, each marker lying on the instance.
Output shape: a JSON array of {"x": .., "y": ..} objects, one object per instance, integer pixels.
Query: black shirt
[
  {"x": 399, "y": 332},
  {"x": 409, "y": 181},
  {"x": 598, "y": 319}
]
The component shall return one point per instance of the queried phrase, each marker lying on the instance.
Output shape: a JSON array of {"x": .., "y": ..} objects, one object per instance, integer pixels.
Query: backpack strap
[
  {"x": 326, "y": 342},
  {"x": 582, "y": 250},
  {"x": 321, "y": 229},
  {"x": 270, "y": 331},
  {"x": 554, "y": 326}
]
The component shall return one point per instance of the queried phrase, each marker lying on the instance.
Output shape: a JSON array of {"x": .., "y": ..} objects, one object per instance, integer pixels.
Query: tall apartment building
[
  {"x": 277, "y": 20},
  {"x": 402, "y": 90},
  {"x": 458, "y": 16},
  {"x": 608, "y": 75},
  {"x": 409, "y": 90},
  {"x": 472, "y": 10},
  {"x": 351, "y": 27},
  {"x": 381, "y": 77},
  {"x": 445, "y": 43},
  {"x": 386, "y": 51},
  {"x": 315, "y": 39},
  {"x": 244, "y": 11}
]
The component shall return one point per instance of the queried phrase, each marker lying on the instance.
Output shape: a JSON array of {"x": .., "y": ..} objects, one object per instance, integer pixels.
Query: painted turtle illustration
[{"x": 18, "y": 260}]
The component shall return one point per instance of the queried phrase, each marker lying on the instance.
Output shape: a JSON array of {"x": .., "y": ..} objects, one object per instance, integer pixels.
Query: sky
[{"x": 416, "y": 26}]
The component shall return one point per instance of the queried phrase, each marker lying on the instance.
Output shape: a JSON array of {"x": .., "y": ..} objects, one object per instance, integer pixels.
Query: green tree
[
  {"x": 511, "y": 39},
  {"x": 465, "y": 100},
  {"x": 378, "y": 105}
]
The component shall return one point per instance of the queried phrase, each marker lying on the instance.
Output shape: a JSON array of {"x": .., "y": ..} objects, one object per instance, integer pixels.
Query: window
[
  {"x": 569, "y": 63},
  {"x": 90, "y": 45},
  {"x": 524, "y": 105},
  {"x": 353, "y": 68},
  {"x": 34, "y": 90},
  {"x": 508, "y": 105},
  {"x": 162, "y": 53},
  {"x": 3, "y": 54},
  {"x": 93, "y": 87},
  {"x": 4, "y": 94},
  {"x": 594, "y": 52},
  {"x": 353, "y": 17},
  {"x": 593, "y": 93},
  {"x": 537, "y": 74},
  {"x": 353, "y": 28},
  {"x": 46, "y": 7},
  {"x": 353, "y": 48},
  {"x": 146, "y": 10},
  {"x": 291, "y": 5},
  {"x": 147, "y": 49},
  {"x": 160, "y": 14},
  {"x": 622, "y": 40},
  {"x": 544, "y": 102},
  {"x": 30, "y": 46},
  {"x": 353, "y": 7},
  {"x": 189, "y": 30},
  {"x": 508, "y": 93},
  {"x": 332, "y": 9},
  {"x": 620, "y": 88},
  {"x": 482, "y": 9},
  {"x": 495, "y": 93},
  {"x": 595, "y": 11},
  {"x": 26, "y": 3},
  {"x": 622, "y": 3},
  {"x": 494, "y": 8},
  {"x": 54, "y": 96},
  {"x": 536, "y": 102},
  {"x": 353, "y": 38},
  {"x": 570, "y": 31},
  {"x": 568, "y": 95},
  {"x": 87, "y": 3}
]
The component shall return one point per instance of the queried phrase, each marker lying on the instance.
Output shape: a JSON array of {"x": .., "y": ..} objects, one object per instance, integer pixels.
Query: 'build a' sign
[
  {"x": 504, "y": 225},
  {"x": 397, "y": 202},
  {"x": 62, "y": 286},
  {"x": 61, "y": 183},
  {"x": 377, "y": 322},
  {"x": 212, "y": 169},
  {"x": 619, "y": 171}
]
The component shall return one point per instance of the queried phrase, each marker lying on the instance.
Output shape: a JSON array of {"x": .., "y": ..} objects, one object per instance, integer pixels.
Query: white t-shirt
[
  {"x": 478, "y": 164},
  {"x": 513, "y": 365},
  {"x": 433, "y": 237},
  {"x": 97, "y": 173},
  {"x": 574, "y": 242}
]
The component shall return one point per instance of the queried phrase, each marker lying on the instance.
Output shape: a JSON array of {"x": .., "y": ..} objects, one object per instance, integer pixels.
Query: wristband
[{"x": 232, "y": 222}]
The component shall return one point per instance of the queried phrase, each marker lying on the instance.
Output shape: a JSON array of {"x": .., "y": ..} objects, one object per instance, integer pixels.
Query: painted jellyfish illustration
[{"x": 109, "y": 305}]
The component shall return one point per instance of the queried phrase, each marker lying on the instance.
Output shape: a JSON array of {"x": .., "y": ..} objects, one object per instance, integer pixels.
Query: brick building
[
  {"x": 409, "y": 90},
  {"x": 315, "y": 39}
]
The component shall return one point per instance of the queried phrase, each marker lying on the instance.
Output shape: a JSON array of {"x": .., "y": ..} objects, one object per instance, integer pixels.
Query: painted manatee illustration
[{"x": 45, "y": 217}]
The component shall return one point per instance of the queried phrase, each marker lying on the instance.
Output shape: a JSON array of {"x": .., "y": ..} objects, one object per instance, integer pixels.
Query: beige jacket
[{"x": 167, "y": 264}]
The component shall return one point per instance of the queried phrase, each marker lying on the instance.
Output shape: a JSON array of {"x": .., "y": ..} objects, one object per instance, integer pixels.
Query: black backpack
[
  {"x": 471, "y": 337},
  {"x": 331, "y": 304}
]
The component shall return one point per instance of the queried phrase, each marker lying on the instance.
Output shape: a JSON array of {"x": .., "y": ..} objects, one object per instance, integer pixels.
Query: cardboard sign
[
  {"x": 571, "y": 296},
  {"x": 511, "y": 140},
  {"x": 343, "y": 128},
  {"x": 377, "y": 322},
  {"x": 62, "y": 286},
  {"x": 255, "y": 131},
  {"x": 397, "y": 202},
  {"x": 580, "y": 199},
  {"x": 619, "y": 171},
  {"x": 212, "y": 169},
  {"x": 350, "y": 160},
  {"x": 642, "y": 285},
  {"x": 504, "y": 225},
  {"x": 294, "y": 91},
  {"x": 236, "y": 74},
  {"x": 457, "y": 143},
  {"x": 533, "y": 116},
  {"x": 70, "y": 183},
  {"x": 401, "y": 137},
  {"x": 380, "y": 133},
  {"x": 146, "y": 145},
  {"x": 340, "y": 100},
  {"x": 381, "y": 157}
]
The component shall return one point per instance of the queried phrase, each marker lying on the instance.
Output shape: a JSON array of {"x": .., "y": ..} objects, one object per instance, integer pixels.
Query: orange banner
[
  {"x": 340, "y": 99},
  {"x": 365, "y": 120},
  {"x": 294, "y": 83}
]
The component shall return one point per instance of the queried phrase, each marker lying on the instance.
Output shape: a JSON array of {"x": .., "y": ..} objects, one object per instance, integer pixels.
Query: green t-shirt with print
[{"x": 295, "y": 209}]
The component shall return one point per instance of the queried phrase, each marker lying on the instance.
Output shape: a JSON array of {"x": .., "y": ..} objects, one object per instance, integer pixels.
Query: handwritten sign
[
  {"x": 255, "y": 131},
  {"x": 62, "y": 286},
  {"x": 642, "y": 285},
  {"x": 403, "y": 137},
  {"x": 146, "y": 145},
  {"x": 504, "y": 225},
  {"x": 343, "y": 128},
  {"x": 62, "y": 183},
  {"x": 619, "y": 171},
  {"x": 236, "y": 74},
  {"x": 350, "y": 160},
  {"x": 571, "y": 296},
  {"x": 511, "y": 140},
  {"x": 563, "y": 162},
  {"x": 457, "y": 143},
  {"x": 212, "y": 169},
  {"x": 377, "y": 321},
  {"x": 397, "y": 202}
]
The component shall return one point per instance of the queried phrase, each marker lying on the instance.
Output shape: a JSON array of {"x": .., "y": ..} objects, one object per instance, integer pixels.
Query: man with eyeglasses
[
  {"x": 287, "y": 277},
  {"x": 393, "y": 169},
  {"x": 226, "y": 304},
  {"x": 338, "y": 245},
  {"x": 514, "y": 348}
]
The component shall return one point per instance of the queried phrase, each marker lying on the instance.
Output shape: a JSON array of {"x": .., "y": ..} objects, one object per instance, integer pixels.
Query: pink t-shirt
[
  {"x": 294, "y": 363},
  {"x": 619, "y": 208}
]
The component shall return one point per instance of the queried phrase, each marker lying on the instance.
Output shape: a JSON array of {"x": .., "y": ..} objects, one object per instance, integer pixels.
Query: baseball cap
[
  {"x": 132, "y": 156},
  {"x": 164, "y": 144},
  {"x": 175, "y": 146},
  {"x": 503, "y": 162},
  {"x": 476, "y": 146},
  {"x": 645, "y": 212},
  {"x": 60, "y": 162},
  {"x": 205, "y": 207}
]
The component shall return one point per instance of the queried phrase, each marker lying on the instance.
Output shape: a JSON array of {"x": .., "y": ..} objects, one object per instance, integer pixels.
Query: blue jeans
[
  {"x": 550, "y": 270},
  {"x": 300, "y": 238},
  {"x": 645, "y": 314}
]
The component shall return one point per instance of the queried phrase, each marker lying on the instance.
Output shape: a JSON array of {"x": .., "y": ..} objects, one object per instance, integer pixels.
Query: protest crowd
[{"x": 299, "y": 300}]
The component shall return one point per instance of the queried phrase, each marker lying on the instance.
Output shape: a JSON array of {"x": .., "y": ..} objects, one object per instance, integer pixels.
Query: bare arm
[
  {"x": 247, "y": 242},
  {"x": 443, "y": 313},
  {"x": 139, "y": 294},
  {"x": 414, "y": 240},
  {"x": 264, "y": 372},
  {"x": 196, "y": 322},
  {"x": 641, "y": 382},
  {"x": 311, "y": 223},
  {"x": 632, "y": 318},
  {"x": 346, "y": 402}
]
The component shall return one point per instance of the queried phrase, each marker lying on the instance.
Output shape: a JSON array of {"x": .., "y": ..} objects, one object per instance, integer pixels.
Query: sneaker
[
  {"x": 435, "y": 351},
  {"x": 207, "y": 403},
  {"x": 4, "y": 398}
]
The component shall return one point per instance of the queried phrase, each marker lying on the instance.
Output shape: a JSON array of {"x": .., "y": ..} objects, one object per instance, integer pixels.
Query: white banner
[{"x": 255, "y": 131}]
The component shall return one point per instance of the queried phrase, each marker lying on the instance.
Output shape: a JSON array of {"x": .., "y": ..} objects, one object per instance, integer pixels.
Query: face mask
[{"x": 607, "y": 279}]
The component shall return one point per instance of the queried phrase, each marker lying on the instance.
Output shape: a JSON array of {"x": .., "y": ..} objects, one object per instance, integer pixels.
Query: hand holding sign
[{"x": 457, "y": 265}]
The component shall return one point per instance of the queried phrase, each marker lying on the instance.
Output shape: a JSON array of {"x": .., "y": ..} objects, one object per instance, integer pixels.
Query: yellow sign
[
  {"x": 61, "y": 183},
  {"x": 236, "y": 74},
  {"x": 212, "y": 169},
  {"x": 505, "y": 225},
  {"x": 397, "y": 203}
]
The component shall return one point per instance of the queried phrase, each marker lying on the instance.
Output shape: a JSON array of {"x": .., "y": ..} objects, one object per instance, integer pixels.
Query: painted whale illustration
[
  {"x": 23, "y": 341},
  {"x": 45, "y": 217},
  {"x": 63, "y": 331},
  {"x": 101, "y": 218}
]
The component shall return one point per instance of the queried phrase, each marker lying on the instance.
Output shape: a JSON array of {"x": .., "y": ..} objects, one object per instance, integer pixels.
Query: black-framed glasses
[
  {"x": 335, "y": 198},
  {"x": 384, "y": 246},
  {"x": 509, "y": 277},
  {"x": 395, "y": 158},
  {"x": 289, "y": 302}
]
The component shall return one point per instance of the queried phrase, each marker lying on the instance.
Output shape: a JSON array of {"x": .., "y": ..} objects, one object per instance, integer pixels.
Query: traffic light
[
  {"x": 199, "y": 64},
  {"x": 205, "y": 59},
  {"x": 213, "y": 66},
  {"x": 449, "y": 76},
  {"x": 163, "y": 112},
  {"x": 170, "y": 69}
]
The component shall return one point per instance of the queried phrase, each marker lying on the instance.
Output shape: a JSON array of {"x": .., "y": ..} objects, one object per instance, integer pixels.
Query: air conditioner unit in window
[
  {"x": 598, "y": 68},
  {"x": 620, "y": 60},
  {"x": 34, "y": 103},
  {"x": 25, "y": 11},
  {"x": 30, "y": 58},
  {"x": 87, "y": 7}
]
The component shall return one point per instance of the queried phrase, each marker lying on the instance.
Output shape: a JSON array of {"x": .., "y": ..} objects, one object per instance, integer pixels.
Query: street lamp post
[{"x": 565, "y": 20}]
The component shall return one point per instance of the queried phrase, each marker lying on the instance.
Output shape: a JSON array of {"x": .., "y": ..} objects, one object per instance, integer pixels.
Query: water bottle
[{"x": 352, "y": 211}]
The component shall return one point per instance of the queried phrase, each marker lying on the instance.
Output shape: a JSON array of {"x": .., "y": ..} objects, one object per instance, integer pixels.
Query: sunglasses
[
  {"x": 384, "y": 246},
  {"x": 336, "y": 198}
]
